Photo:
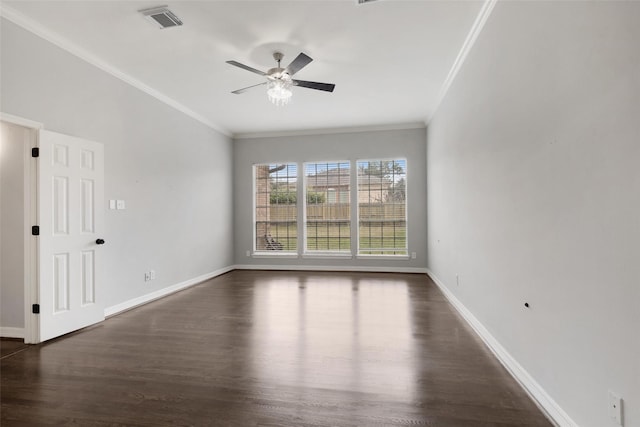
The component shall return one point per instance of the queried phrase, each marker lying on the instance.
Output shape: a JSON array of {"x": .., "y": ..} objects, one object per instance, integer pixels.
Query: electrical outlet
[
  {"x": 248, "y": 253},
  {"x": 152, "y": 274},
  {"x": 414, "y": 255},
  {"x": 615, "y": 407},
  {"x": 120, "y": 204},
  {"x": 112, "y": 204},
  {"x": 147, "y": 276}
]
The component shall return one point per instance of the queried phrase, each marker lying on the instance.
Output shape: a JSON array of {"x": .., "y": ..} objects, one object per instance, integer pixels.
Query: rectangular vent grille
[
  {"x": 365, "y": 1},
  {"x": 162, "y": 16}
]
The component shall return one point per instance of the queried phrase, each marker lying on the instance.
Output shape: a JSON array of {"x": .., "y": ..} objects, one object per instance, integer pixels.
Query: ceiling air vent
[
  {"x": 365, "y": 1},
  {"x": 161, "y": 16}
]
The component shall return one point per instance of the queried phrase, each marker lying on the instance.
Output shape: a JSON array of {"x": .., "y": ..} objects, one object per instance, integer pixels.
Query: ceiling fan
[{"x": 279, "y": 81}]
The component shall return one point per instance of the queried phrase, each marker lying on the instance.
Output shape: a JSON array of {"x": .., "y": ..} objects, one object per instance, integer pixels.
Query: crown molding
[
  {"x": 20, "y": 121},
  {"x": 474, "y": 32},
  {"x": 36, "y": 28},
  {"x": 328, "y": 131}
]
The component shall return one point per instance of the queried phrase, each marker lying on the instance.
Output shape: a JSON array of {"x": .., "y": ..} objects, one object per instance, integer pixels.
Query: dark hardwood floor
[
  {"x": 8, "y": 346},
  {"x": 255, "y": 348}
]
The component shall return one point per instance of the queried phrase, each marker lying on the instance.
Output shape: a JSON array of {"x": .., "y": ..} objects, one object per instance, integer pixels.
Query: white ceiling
[{"x": 389, "y": 59}]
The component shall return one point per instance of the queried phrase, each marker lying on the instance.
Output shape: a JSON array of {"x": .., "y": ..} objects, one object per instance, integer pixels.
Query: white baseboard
[
  {"x": 8, "y": 332},
  {"x": 144, "y": 299},
  {"x": 551, "y": 408},
  {"x": 331, "y": 268}
]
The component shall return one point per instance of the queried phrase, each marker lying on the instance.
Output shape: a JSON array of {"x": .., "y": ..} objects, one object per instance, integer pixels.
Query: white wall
[
  {"x": 533, "y": 164},
  {"x": 12, "y": 152},
  {"x": 405, "y": 143},
  {"x": 173, "y": 172}
]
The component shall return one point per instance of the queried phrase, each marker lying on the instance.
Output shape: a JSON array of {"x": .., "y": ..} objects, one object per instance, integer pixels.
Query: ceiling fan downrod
[{"x": 278, "y": 57}]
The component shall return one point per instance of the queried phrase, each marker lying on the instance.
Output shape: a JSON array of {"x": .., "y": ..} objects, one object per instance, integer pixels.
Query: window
[
  {"x": 327, "y": 209},
  {"x": 276, "y": 212},
  {"x": 382, "y": 207}
]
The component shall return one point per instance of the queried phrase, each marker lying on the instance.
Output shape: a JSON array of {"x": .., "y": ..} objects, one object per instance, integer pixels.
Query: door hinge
[
  {"x": 35, "y": 152},
  {"x": 35, "y": 230},
  {"x": 35, "y": 308}
]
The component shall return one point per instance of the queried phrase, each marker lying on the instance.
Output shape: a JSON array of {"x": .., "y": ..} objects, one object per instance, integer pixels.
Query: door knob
[{"x": 100, "y": 242}]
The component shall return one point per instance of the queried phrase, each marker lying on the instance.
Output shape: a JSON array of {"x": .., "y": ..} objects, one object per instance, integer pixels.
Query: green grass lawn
[
  {"x": 331, "y": 237},
  {"x": 383, "y": 238}
]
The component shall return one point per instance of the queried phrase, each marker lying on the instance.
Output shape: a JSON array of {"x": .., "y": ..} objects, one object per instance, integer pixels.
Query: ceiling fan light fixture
[{"x": 279, "y": 91}]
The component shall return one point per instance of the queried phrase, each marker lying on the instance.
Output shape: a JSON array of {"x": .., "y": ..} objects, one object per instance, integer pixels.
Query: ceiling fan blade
[
  {"x": 244, "y": 89},
  {"x": 298, "y": 64},
  {"x": 246, "y": 67},
  {"x": 328, "y": 87}
]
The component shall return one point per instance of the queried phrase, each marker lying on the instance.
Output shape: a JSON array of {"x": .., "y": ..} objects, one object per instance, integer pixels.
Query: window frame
[
  {"x": 361, "y": 255},
  {"x": 255, "y": 252},
  {"x": 326, "y": 254}
]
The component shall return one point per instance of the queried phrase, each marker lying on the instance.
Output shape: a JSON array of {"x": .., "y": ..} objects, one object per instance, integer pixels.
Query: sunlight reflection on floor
[{"x": 324, "y": 333}]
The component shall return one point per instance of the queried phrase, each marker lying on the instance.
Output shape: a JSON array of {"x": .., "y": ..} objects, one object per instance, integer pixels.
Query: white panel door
[{"x": 71, "y": 215}]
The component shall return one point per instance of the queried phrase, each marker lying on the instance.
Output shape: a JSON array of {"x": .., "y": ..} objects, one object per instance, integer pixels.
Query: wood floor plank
[
  {"x": 9, "y": 346},
  {"x": 255, "y": 348}
]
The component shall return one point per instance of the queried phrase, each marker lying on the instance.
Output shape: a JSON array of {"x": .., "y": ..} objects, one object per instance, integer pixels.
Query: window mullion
[{"x": 355, "y": 208}]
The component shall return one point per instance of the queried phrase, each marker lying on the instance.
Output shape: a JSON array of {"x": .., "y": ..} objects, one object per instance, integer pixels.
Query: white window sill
[
  {"x": 384, "y": 257},
  {"x": 327, "y": 255},
  {"x": 274, "y": 254}
]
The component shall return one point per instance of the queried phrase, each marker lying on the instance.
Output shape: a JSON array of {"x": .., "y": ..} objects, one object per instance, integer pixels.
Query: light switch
[
  {"x": 112, "y": 204},
  {"x": 120, "y": 204}
]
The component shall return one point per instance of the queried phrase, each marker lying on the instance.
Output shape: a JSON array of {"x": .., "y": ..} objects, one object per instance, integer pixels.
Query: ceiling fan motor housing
[{"x": 278, "y": 73}]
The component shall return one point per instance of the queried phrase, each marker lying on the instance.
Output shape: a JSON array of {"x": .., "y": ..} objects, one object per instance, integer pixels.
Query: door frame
[{"x": 30, "y": 190}]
